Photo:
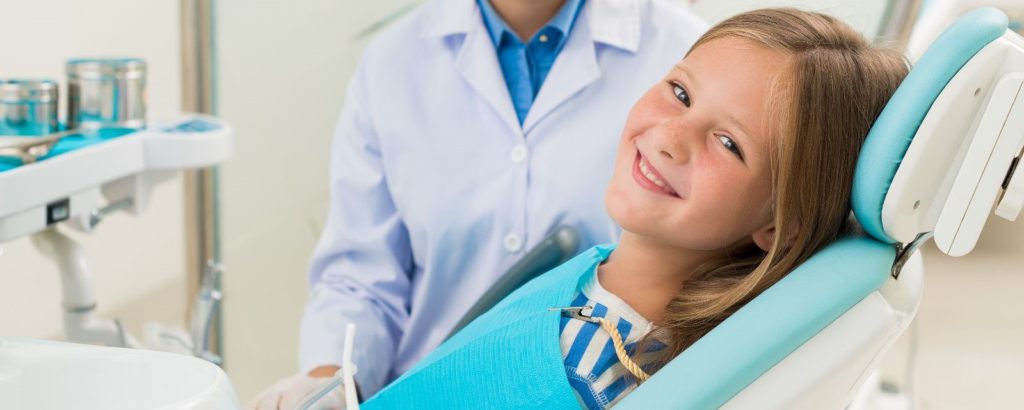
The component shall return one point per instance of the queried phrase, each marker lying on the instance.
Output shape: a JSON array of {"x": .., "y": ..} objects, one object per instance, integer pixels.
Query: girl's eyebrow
[
  {"x": 685, "y": 71},
  {"x": 749, "y": 144},
  {"x": 732, "y": 119}
]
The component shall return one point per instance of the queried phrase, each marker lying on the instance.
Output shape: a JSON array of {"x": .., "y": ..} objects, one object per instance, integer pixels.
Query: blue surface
[
  {"x": 889, "y": 138},
  {"x": 769, "y": 328},
  {"x": 508, "y": 358},
  {"x": 71, "y": 143},
  {"x": 194, "y": 125}
]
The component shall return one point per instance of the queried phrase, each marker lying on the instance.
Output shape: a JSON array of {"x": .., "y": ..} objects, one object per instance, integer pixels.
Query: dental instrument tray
[{"x": 77, "y": 176}]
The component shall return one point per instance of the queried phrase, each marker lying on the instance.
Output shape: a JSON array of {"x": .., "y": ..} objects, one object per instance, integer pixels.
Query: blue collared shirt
[{"x": 526, "y": 65}]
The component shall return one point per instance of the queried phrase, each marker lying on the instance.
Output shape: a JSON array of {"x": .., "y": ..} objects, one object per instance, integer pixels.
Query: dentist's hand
[{"x": 288, "y": 393}]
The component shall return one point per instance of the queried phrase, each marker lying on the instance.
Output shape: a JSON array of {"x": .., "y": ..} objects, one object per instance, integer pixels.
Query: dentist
[{"x": 469, "y": 131}]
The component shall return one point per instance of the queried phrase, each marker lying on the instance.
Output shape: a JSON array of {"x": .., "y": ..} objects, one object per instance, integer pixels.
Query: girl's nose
[{"x": 673, "y": 144}]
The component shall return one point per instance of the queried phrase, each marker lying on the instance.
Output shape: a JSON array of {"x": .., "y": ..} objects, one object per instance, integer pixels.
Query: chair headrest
[{"x": 898, "y": 123}]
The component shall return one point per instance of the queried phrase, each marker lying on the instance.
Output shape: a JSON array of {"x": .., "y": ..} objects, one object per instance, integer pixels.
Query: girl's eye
[
  {"x": 681, "y": 94},
  {"x": 730, "y": 145}
]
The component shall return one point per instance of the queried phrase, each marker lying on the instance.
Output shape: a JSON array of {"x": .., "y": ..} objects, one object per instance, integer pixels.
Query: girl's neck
[{"x": 647, "y": 274}]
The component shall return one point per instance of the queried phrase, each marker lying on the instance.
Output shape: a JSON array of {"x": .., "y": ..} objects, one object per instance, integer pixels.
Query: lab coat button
[
  {"x": 513, "y": 242},
  {"x": 518, "y": 154}
]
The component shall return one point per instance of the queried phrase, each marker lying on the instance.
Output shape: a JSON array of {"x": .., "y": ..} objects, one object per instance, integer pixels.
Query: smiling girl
[{"x": 730, "y": 172}]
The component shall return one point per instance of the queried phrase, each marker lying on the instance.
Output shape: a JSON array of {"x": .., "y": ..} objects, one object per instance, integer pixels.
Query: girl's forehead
[
  {"x": 730, "y": 50},
  {"x": 737, "y": 81}
]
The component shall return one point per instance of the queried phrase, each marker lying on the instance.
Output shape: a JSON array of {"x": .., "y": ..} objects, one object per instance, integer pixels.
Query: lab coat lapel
[
  {"x": 615, "y": 23},
  {"x": 574, "y": 68},
  {"x": 477, "y": 62}
]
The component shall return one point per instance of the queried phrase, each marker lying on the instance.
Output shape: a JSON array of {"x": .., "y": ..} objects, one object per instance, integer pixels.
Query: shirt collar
[
  {"x": 496, "y": 26},
  {"x": 612, "y": 22},
  {"x": 566, "y": 16}
]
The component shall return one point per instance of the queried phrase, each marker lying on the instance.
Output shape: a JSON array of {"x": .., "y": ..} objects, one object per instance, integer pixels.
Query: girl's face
[{"x": 692, "y": 169}]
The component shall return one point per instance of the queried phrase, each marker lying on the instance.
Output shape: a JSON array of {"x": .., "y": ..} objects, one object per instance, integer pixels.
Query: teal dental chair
[{"x": 940, "y": 155}]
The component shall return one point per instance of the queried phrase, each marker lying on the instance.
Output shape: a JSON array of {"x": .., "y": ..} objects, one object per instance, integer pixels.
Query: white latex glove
[{"x": 288, "y": 393}]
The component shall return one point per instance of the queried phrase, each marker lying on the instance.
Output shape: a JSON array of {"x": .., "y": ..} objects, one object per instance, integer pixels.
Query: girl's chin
[{"x": 630, "y": 216}]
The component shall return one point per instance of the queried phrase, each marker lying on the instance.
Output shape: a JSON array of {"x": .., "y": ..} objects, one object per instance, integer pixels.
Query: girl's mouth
[{"x": 648, "y": 177}]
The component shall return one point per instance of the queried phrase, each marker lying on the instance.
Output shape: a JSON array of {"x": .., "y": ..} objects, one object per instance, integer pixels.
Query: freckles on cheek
[{"x": 736, "y": 194}]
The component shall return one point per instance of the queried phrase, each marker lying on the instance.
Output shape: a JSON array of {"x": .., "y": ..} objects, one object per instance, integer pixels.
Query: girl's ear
[{"x": 764, "y": 237}]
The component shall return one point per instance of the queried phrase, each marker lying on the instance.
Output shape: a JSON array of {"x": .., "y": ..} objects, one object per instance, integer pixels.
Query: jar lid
[
  {"x": 27, "y": 90},
  {"x": 106, "y": 67}
]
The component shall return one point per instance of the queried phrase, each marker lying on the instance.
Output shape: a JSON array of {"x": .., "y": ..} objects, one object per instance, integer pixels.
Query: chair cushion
[
  {"x": 769, "y": 328},
  {"x": 897, "y": 124}
]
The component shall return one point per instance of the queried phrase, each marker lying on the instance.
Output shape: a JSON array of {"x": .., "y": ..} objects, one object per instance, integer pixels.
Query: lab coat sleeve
[{"x": 360, "y": 270}]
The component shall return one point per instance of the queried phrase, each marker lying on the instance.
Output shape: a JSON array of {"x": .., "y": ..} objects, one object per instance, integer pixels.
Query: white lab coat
[{"x": 437, "y": 189}]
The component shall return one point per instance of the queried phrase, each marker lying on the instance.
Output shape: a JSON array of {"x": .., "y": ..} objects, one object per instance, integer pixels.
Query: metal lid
[
  {"x": 106, "y": 67},
  {"x": 24, "y": 90}
]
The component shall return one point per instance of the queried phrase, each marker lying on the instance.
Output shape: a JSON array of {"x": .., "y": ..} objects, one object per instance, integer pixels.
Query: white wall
[
  {"x": 134, "y": 259},
  {"x": 283, "y": 68}
]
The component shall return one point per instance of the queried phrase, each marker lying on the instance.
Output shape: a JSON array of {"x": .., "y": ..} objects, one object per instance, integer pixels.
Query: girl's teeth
[{"x": 650, "y": 175}]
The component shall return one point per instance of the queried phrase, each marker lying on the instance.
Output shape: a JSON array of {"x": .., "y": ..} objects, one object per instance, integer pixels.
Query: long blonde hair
[{"x": 835, "y": 87}]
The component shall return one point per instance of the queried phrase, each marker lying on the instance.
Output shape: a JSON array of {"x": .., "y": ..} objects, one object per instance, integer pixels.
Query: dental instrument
[
  {"x": 345, "y": 376},
  {"x": 28, "y": 150},
  {"x": 203, "y": 309}
]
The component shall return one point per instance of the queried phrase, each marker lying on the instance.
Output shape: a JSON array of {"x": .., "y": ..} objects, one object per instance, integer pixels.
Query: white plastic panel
[
  {"x": 131, "y": 165},
  {"x": 922, "y": 184},
  {"x": 826, "y": 372},
  {"x": 205, "y": 142},
  {"x": 39, "y": 183},
  {"x": 28, "y": 221},
  {"x": 980, "y": 178}
]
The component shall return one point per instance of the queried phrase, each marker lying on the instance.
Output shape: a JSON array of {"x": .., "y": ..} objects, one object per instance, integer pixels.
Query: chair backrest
[
  {"x": 853, "y": 278},
  {"x": 556, "y": 248}
]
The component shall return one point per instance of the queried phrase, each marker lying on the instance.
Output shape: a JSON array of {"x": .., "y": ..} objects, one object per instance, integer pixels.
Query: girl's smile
[{"x": 649, "y": 178}]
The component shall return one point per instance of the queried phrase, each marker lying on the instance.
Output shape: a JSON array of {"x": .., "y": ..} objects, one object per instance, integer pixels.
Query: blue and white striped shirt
[{"x": 594, "y": 371}]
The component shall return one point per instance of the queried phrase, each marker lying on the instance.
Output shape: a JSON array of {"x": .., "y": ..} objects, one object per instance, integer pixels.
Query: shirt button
[
  {"x": 513, "y": 242},
  {"x": 518, "y": 154},
  {"x": 543, "y": 38}
]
